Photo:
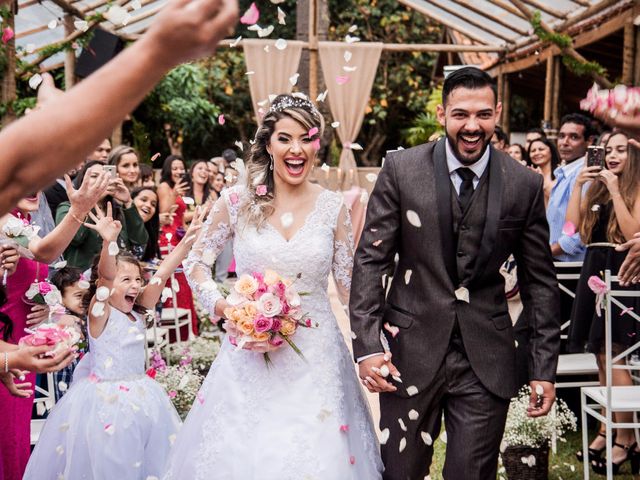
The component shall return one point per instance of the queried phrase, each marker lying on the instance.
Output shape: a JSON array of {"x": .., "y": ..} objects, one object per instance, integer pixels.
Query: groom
[{"x": 453, "y": 211}]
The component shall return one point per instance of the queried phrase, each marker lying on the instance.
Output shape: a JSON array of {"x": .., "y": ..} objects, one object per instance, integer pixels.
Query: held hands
[
  {"x": 540, "y": 404},
  {"x": 369, "y": 371},
  {"x": 86, "y": 197},
  {"x": 630, "y": 269},
  {"x": 105, "y": 225}
]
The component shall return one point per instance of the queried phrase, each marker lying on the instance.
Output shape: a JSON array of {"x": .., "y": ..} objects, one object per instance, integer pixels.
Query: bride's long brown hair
[
  {"x": 258, "y": 208},
  {"x": 598, "y": 194}
]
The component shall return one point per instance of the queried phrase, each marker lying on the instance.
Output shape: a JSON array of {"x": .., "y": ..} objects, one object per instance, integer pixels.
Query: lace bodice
[
  {"x": 323, "y": 244},
  {"x": 118, "y": 353}
]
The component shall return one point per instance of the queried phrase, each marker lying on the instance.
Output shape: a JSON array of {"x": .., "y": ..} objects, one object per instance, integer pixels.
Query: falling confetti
[
  {"x": 254, "y": 28},
  {"x": 426, "y": 438},
  {"x": 403, "y": 444},
  {"x": 344, "y": 428},
  {"x": 251, "y": 16},
  {"x": 568, "y": 228},
  {"x": 239, "y": 144},
  {"x": 98, "y": 309},
  {"x": 113, "y": 249},
  {"x": 293, "y": 79},
  {"x": 402, "y": 425},
  {"x": 414, "y": 219},
  {"x": 53, "y": 24},
  {"x": 155, "y": 281},
  {"x": 350, "y": 39},
  {"x": 281, "y": 17},
  {"x": 353, "y": 28},
  {"x": 392, "y": 329},
  {"x": 286, "y": 219},
  {"x": 236, "y": 42},
  {"x": 347, "y": 56},
  {"x": 221, "y": 119},
  {"x": 407, "y": 276},
  {"x": 355, "y": 146},
  {"x": 462, "y": 294},
  {"x": 595, "y": 208},
  {"x": 102, "y": 294},
  {"x": 322, "y": 97},
  {"x": 412, "y": 390},
  {"x": 413, "y": 415},
  {"x": 281, "y": 44},
  {"x": 166, "y": 294},
  {"x": 265, "y": 32},
  {"x": 335, "y": 124},
  {"x": 35, "y": 81},
  {"x": 384, "y": 436},
  {"x": 343, "y": 79}
]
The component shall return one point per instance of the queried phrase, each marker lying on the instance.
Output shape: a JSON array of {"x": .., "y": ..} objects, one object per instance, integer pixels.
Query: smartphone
[
  {"x": 185, "y": 177},
  {"x": 595, "y": 157},
  {"x": 110, "y": 169}
]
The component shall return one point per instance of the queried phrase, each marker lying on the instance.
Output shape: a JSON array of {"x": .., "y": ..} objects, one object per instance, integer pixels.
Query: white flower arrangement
[
  {"x": 199, "y": 352},
  {"x": 20, "y": 231},
  {"x": 522, "y": 430},
  {"x": 182, "y": 384}
]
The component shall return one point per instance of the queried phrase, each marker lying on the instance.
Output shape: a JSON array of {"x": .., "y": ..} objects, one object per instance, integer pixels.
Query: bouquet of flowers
[
  {"x": 60, "y": 336},
  {"x": 265, "y": 312},
  {"x": 621, "y": 99},
  {"x": 43, "y": 293},
  {"x": 17, "y": 233},
  {"x": 522, "y": 430}
]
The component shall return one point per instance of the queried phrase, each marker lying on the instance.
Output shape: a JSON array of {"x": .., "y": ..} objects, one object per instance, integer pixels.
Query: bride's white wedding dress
[{"x": 297, "y": 420}]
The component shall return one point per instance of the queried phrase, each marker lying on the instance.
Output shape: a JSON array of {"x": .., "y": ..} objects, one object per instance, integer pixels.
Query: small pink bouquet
[
  {"x": 59, "y": 336},
  {"x": 621, "y": 99},
  {"x": 264, "y": 313},
  {"x": 43, "y": 293}
]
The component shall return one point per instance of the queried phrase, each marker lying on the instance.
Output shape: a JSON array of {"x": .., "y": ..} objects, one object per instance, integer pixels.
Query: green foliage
[
  {"x": 426, "y": 124},
  {"x": 583, "y": 68},
  {"x": 403, "y": 80},
  {"x": 141, "y": 141},
  {"x": 561, "y": 40}
]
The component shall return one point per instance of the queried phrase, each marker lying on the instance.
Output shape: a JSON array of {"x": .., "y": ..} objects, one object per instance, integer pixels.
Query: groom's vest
[{"x": 468, "y": 227}]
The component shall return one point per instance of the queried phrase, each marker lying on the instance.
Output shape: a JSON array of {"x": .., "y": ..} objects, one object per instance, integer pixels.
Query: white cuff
[{"x": 360, "y": 359}]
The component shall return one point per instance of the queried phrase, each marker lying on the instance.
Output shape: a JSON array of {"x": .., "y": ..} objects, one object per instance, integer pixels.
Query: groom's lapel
[{"x": 443, "y": 198}]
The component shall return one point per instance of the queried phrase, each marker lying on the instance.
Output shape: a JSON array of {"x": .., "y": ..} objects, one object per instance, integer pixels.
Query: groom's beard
[{"x": 464, "y": 157}]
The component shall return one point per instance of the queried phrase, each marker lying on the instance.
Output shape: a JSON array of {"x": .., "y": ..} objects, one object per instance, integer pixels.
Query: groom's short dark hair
[{"x": 468, "y": 77}]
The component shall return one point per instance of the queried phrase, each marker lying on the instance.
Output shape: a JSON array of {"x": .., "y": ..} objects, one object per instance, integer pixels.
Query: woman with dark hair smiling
[
  {"x": 544, "y": 158},
  {"x": 146, "y": 201},
  {"x": 199, "y": 191}
]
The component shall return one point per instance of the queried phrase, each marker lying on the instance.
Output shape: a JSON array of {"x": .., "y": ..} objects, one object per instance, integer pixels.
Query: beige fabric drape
[
  {"x": 272, "y": 69},
  {"x": 348, "y": 102}
]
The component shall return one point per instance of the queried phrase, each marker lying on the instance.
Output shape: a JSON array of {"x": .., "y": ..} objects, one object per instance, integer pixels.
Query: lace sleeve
[
  {"x": 199, "y": 263},
  {"x": 343, "y": 255}
]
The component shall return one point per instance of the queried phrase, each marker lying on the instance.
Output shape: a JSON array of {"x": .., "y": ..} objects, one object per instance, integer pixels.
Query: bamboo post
[
  {"x": 555, "y": 110},
  {"x": 548, "y": 90},
  {"x": 9, "y": 77},
  {"x": 628, "y": 52},
  {"x": 69, "y": 56},
  {"x": 636, "y": 67},
  {"x": 506, "y": 104},
  {"x": 501, "y": 88},
  {"x": 313, "y": 50}
]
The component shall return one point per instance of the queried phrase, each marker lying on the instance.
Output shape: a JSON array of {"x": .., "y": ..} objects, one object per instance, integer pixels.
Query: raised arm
[
  {"x": 149, "y": 297},
  {"x": 183, "y": 30},
  {"x": 199, "y": 263}
]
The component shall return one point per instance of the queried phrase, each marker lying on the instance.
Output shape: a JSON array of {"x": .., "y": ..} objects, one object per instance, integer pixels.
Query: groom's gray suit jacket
[{"x": 453, "y": 249}]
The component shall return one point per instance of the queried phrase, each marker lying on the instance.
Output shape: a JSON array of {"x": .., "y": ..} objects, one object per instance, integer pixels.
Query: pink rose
[
  {"x": 276, "y": 341},
  {"x": 262, "y": 324},
  {"x": 45, "y": 288},
  {"x": 276, "y": 324},
  {"x": 261, "y": 190},
  {"x": 233, "y": 198},
  {"x": 597, "y": 285}
]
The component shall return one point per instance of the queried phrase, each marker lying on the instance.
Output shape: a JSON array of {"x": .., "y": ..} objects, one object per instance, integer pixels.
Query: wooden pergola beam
[
  {"x": 543, "y": 7},
  {"x": 592, "y": 10},
  {"x": 69, "y": 9},
  {"x": 570, "y": 51},
  {"x": 501, "y": 21}
]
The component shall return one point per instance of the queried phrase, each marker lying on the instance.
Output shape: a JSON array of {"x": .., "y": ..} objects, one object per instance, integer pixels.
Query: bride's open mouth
[{"x": 295, "y": 166}]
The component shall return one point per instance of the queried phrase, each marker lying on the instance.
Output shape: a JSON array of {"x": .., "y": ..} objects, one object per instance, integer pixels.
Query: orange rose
[
  {"x": 271, "y": 277},
  {"x": 246, "y": 285},
  {"x": 261, "y": 337},
  {"x": 250, "y": 310},
  {"x": 288, "y": 327},
  {"x": 246, "y": 326}
]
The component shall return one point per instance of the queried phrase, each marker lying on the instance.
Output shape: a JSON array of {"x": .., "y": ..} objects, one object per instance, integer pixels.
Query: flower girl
[{"x": 115, "y": 422}]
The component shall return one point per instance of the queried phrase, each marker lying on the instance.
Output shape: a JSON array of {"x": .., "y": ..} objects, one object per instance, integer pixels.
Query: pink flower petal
[
  {"x": 261, "y": 190},
  {"x": 392, "y": 329},
  {"x": 313, "y": 131},
  {"x": 343, "y": 79},
  {"x": 93, "y": 378},
  {"x": 200, "y": 398},
  {"x": 344, "y": 428},
  {"x": 251, "y": 16},
  {"x": 316, "y": 144},
  {"x": 221, "y": 119},
  {"x": 233, "y": 198},
  {"x": 352, "y": 460},
  {"x": 7, "y": 34},
  {"x": 568, "y": 228},
  {"x": 597, "y": 285},
  {"x": 626, "y": 310},
  {"x": 172, "y": 394}
]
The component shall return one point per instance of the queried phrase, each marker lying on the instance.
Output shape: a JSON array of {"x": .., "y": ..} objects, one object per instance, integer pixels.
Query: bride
[{"x": 298, "y": 419}]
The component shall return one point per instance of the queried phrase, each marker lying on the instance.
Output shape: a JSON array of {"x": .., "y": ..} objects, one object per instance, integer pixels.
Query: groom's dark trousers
[{"x": 455, "y": 348}]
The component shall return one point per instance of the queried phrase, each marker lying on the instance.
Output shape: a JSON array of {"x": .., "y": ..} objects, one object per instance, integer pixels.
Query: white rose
[
  {"x": 53, "y": 298},
  {"x": 31, "y": 231},
  {"x": 269, "y": 305},
  {"x": 293, "y": 299},
  {"x": 13, "y": 228},
  {"x": 234, "y": 299},
  {"x": 33, "y": 291}
]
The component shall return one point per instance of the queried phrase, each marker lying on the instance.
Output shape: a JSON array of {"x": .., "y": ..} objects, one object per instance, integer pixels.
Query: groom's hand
[
  {"x": 371, "y": 376},
  {"x": 543, "y": 394}
]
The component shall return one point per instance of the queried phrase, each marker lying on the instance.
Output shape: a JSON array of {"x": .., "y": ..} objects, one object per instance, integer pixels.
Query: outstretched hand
[
  {"x": 105, "y": 225},
  {"x": 371, "y": 372},
  {"x": 87, "y": 196},
  {"x": 195, "y": 226}
]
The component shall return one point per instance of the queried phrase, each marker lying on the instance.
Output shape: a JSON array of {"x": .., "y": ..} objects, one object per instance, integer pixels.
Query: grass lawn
[{"x": 559, "y": 464}]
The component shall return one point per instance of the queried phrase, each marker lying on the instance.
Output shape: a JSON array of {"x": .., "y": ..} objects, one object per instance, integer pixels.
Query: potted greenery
[{"x": 525, "y": 445}]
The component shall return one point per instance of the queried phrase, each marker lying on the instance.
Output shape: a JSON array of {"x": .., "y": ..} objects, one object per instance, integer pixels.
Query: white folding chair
[
  {"x": 44, "y": 401},
  {"x": 611, "y": 399}
]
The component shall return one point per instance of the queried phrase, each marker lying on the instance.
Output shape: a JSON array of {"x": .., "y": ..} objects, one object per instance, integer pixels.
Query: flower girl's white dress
[
  {"x": 295, "y": 420},
  {"x": 115, "y": 423}
]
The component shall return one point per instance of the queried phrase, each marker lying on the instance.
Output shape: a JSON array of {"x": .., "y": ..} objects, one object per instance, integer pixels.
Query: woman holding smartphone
[{"x": 606, "y": 215}]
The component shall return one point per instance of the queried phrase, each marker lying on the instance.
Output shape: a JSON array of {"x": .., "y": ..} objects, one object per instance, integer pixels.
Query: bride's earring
[{"x": 271, "y": 163}]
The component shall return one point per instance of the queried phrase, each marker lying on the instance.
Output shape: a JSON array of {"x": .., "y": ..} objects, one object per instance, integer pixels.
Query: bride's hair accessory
[{"x": 285, "y": 101}]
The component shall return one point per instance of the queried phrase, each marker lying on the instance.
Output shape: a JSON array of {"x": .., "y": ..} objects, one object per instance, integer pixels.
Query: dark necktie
[{"x": 466, "y": 189}]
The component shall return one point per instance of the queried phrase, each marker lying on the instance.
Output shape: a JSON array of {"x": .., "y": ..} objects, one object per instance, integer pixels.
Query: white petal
[
  {"x": 265, "y": 32},
  {"x": 155, "y": 281},
  {"x": 414, "y": 219},
  {"x": 293, "y": 79},
  {"x": 402, "y": 425},
  {"x": 102, "y": 294},
  {"x": 335, "y": 124},
  {"x": 35, "y": 81},
  {"x": 108, "y": 363},
  {"x": 272, "y": 97},
  {"x": 250, "y": 72},
  {"x": 52, "y": 24},
  {"x": 60, "y": 264},
  {"x": 353, "y": 335},
  {"x": 98, "y": 309},
  {"x": 166, "y": 294},
  {"x": 364, "y": 197},
  {"x": 322, "y": 97},
  {"x": 407, "y": 276},
  {"x": 281, "y": 17},
  {"x": 384, "y": 436},
  {"x": 62, "y": 386},
  {"x": 239, "y": 144},
  {"x": 325, "y": 167},
  {"x": 236, "y": 41},
  {"x": 539, "y": 389},
  {"x": 188, "y": 200},
  {"x": 403, "y": 444},
  {"x": 348, "y": 69},
  {"x": 350, "y": 39},
  {"x": 286, "y": 219},
  {"x": 426, "y": 438},
  {"x": 281, "y": 44},
  {"x": 413, "y": 415},
  {"x": 412, "y": 390},
  {"x": 81, "y": 25},
  {"x": 347, "y": 56},
  {"x": 116, "y": 14},
  {"x": 113, "y": 249},
  {"x": 595, "y": 208},
  {"x": 371, "y": 177},
  {"x": 353, "y": 28},
  {"x": 83, "y": 284},
  {"x": 136, "y": 5},
  {"x": 355, "y": 146},
  {"x": 254, "y": 28}
]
